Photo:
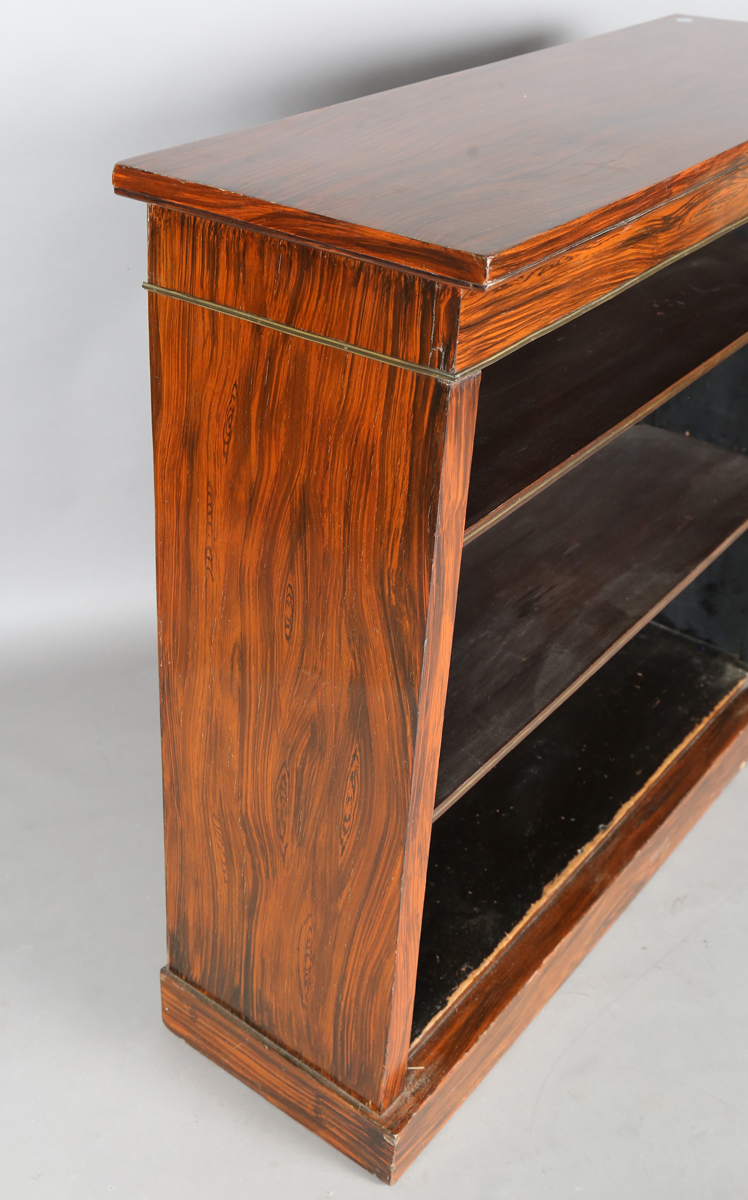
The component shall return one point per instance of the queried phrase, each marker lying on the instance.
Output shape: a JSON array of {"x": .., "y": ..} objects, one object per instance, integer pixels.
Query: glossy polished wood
[
  {"x": 450, "y": 1061},
  {"x": 475, "y": 175},
  {"x": 343, "y": 276},
  {"x": 458, "y": 441},
  {"x": 548, "y": 594},
  {"x": 548, "y": 294},
  {"x": 310, "y": 511},
  {"x": 406, "y": 317},
  {"x": 548, "y": 405},
  {"x": 282, "y": 1079}
]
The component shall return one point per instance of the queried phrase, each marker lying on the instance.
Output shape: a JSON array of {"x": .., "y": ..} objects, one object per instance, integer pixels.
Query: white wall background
[{"x": 86, "y": 83}]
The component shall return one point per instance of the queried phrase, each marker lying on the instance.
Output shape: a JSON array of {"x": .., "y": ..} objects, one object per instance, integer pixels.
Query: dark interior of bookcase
[{"x": 602, "y": 613}]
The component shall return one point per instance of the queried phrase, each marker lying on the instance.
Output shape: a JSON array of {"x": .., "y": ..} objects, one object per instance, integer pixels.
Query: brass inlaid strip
[
  {"x": 434, "y": 372},
  {"x": 304, "y": 334},
  {"x": 580, "y": 312}
]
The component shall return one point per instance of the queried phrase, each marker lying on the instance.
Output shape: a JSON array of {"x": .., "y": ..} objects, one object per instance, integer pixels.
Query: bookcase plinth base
[{"x": 460, "y": 1047}]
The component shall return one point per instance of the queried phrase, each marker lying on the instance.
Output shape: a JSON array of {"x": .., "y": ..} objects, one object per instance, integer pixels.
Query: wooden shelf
[
  {"x": 557, "y": 587},
  {"x": 495, "y": 854},
  {"x": 555, "y": 401}
]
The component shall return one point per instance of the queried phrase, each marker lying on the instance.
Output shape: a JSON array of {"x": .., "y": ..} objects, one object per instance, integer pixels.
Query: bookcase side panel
[
  {"x": 460, "y": 430},
  {"x": 297, "y": 497}
]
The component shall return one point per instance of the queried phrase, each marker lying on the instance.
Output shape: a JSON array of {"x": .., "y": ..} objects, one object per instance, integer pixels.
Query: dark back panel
[
  {"x": 557, "y": 586},
  {"x": 715, "y": 409}
]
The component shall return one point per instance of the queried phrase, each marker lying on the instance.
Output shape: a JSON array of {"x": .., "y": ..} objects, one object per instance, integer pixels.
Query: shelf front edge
[{"x": 549, "y": 293}]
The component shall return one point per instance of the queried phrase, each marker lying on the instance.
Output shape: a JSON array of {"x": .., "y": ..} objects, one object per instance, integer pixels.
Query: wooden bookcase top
[{"x": 474, "y": 175}]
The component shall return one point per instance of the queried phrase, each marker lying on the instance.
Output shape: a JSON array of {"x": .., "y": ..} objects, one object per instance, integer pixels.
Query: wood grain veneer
[
  {"x": 404, "y": 316},
  {"x": 548, "y": 594},
  {"x": 309, "y": 518},
  {"x": 323, "y": 293},
  {"x": 448, "y": 1063},
  {"x": 542, "y": 296},
  {"x": 475, "y": 175}
]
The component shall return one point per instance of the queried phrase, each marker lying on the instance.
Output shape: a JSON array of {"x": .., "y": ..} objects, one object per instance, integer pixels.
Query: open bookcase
[{"x": 451, "y": 496}]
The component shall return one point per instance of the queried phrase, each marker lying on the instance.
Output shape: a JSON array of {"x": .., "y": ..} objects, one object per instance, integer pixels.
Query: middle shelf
[{"x": 557, "y": 587}]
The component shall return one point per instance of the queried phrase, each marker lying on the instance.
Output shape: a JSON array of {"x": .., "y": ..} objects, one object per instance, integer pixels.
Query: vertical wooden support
[{"x": 310, "y": 507}]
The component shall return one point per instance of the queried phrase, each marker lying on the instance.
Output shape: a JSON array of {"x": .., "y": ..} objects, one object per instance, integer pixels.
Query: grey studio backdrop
[{"x": 634, "y": 1080}]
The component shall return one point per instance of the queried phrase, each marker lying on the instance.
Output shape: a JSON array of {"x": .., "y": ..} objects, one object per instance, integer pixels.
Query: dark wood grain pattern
[
  {"x": 549, "y": 293},
  {"x": 310, "y": 507},
  {"x": 448, "y": 1063},
  {"x": 282, "y": 1079},
  {"x": 402, "y": 315},
  {"x": 494, "y": 855},
  {"x": 548, "y": 405},
  {"x": 323, "y": 677},
  {"x": 558, "y": 586},
  {"x": 473, "y": 175}
]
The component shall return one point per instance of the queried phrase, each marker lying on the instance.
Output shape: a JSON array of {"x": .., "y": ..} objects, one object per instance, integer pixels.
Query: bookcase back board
[{"x": 715, "y": 606}]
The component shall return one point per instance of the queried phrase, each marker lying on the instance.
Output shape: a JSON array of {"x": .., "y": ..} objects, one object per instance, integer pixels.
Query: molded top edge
[{"x": 474, "y": 175}]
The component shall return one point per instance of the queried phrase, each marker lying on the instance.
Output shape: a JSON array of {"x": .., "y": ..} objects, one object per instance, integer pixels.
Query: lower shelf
[
  {"x": 495, "y": 854},
  {"x": 685, "y": 748}
]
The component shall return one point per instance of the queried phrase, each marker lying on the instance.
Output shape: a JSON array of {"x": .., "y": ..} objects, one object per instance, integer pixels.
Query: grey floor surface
[{"x": 633, "y": 1082}]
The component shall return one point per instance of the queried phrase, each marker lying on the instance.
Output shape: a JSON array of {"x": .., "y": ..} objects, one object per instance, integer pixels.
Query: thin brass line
[
  {"x": 433, "y": 372},
  {"x": 579, "y": 312},
  {"x": 292, "y": 331}
]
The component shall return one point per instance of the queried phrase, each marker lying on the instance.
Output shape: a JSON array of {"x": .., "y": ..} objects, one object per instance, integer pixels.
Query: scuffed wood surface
[{"x": 515, "y": 833}]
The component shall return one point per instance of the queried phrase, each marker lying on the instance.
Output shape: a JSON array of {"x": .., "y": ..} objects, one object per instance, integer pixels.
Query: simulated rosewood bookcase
[{"x": 450, "y": 404}]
